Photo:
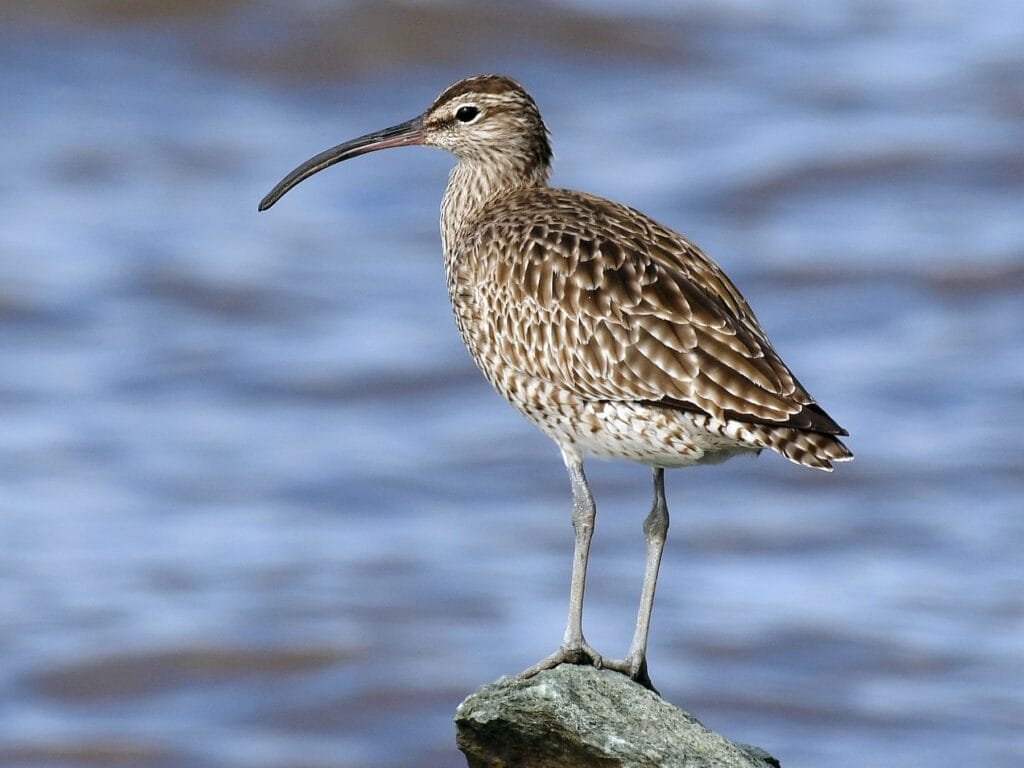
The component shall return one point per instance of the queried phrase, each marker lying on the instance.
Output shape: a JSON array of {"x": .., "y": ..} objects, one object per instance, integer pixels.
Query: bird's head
[{"x": 488, "y": 119}]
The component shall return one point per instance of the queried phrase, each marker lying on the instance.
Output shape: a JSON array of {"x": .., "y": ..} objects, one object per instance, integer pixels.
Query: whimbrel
[{"x": 614, "y": 335}]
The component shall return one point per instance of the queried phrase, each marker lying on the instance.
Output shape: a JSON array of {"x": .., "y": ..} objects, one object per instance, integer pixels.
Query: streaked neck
[{"x": 474, "y": 183}]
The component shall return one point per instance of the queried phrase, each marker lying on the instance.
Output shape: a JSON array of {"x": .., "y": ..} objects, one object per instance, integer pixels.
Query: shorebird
[{"x": 616, "y": 336}]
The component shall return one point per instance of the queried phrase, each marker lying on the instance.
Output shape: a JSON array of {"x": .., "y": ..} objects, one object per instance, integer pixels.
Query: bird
[{"x": 613, "y": 334}]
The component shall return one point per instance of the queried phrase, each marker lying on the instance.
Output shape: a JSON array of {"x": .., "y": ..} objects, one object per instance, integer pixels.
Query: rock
[{"x": 574, "y": 716}]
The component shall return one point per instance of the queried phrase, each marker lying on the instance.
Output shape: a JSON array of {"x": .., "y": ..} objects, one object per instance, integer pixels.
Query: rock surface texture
[{"x": 581, "y": 716}]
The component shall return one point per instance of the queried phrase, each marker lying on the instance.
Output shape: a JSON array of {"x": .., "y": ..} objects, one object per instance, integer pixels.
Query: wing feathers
[{"x": 603, "y": 301}]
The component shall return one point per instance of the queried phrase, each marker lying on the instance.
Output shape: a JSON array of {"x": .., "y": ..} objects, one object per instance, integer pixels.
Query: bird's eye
[{"x": 466, "y": 114}]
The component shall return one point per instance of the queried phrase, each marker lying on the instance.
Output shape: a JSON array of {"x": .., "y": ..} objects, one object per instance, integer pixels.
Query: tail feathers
[
  {"x": 809, "y": 449},
  {"x": 804, "y": 447}
]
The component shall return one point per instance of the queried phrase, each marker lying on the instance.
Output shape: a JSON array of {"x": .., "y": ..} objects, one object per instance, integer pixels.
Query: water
[{"x": 259, "y": 509}]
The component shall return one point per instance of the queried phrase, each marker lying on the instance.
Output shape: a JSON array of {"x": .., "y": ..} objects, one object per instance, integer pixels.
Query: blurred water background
[{"x": 258, "y": 508}]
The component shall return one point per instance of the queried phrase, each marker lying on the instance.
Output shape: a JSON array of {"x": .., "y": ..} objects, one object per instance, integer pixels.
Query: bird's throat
[{"x": 472, "y": 184}]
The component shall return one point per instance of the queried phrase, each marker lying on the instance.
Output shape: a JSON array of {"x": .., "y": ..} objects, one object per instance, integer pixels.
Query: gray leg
[
  {"x": 584, "y": 512},
  {"x": 574, "y": 649},
  {"x": 655, "y": 531}
]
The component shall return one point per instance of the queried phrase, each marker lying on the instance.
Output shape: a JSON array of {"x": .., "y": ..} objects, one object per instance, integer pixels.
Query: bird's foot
[
  {"x": 566, "y": 654},
  {"x": 633, "y": 668}
]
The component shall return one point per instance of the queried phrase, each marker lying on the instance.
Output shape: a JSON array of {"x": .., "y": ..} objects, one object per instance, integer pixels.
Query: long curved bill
[{"x": 410, "y": 132}]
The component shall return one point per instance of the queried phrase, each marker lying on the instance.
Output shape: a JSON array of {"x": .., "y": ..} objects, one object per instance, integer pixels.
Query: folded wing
[{"x": 606, "y": 303}]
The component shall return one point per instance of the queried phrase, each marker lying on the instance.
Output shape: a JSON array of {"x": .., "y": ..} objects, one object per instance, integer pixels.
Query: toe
[{"x": 581, "y": 654}]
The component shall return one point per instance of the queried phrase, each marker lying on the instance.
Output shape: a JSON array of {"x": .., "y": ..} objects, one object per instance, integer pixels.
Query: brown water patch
[
  {"x": 968, "y": 280},
  {"x": 447, "y": 609},
  {"x": 92, "y": 753},
  {"x": 140, "y": 674},
  {"x": 824, "y": 275},
  {"x": 799, "y": 709},
  {"x": 110, "y": 11},
  {"x": 320, "y": 44},
  {"x": 722, "y": 540},
  {"x": 828, "y": 174},
  {"x": 364, "y": 708},
  {"x": 310, "y": 43},
  {"x": 819, "y": 651},
  {"x": 373, "y": 37},
  {"x": 14, "y": 309},
  {"x": 397, "y": 385},
  {"x": 192, "y": 292},
  {"x": 1000, "y": 85},
  {"x": 86, "y": 166}
]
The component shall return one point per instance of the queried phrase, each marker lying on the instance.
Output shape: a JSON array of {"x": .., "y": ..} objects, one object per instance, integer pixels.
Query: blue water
[{"x": 258, "y": 508}]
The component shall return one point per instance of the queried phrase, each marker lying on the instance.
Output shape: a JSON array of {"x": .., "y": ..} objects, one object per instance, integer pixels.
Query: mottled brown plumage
[
  {"x": 613, "y": 334},
  {"x": 602, "y": 302}
]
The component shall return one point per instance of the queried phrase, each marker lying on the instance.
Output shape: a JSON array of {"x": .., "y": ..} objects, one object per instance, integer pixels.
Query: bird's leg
[
  {"x": 584, "y": 512},
  {"x": 574, "y": 649},
  {"x": 655, "y": 531}
]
